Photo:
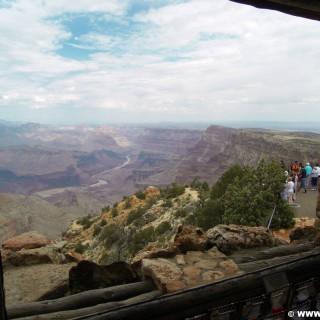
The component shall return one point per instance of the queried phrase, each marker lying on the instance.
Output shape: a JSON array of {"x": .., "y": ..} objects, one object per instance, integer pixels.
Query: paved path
[{"x": 308, "y": 202}]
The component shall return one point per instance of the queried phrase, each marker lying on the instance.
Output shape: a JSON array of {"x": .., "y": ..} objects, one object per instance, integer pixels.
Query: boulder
[
  {"x": 165, "y": 274},
  {"x": 190, "y": 238},
  {"x": 228, "y": 238},
  {"x": 29, "y": 240},
  {"x": 302, "y": 235},
  {"x": 152, "y": 191},
  {"x": 87, "y": 275},
  {"x": 28, "y": 257}
]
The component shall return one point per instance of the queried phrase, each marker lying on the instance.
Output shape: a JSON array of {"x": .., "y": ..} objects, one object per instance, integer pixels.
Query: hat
[{"x": 307, "y": 164}]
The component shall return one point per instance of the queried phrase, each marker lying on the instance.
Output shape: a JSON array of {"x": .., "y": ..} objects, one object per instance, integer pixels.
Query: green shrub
[
  {"x": 135, "y": 214},
  {"x": 141, "y": 194},
  {"x": 141, "y": 239},
  {"x": 97, "y": 230},
  {"x": 86, "y": 221},
  {"x": 115, "y": 204},
  {"x": 181, "y": 213},
  {"x": 80, "y": 248},
  {"x": 109, "y": 235},
  {"x": 167, "y": 204},
  {"x": 114, "y": 212},
  {"x": 127, "y": 204},
  {"x": 103, "y": 222},
  {"x": 163, "y": 227},
  {"x": 105, "y": 209}
]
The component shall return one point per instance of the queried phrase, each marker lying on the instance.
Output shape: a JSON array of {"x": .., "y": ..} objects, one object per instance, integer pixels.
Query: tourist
[
  {"x": 308, "y": 173},
  {"x": 303, "y": 178},
  {"x": 314, "y": 177},
  {"x": 289, "y": 190},
  {"x": 295, "y": 167}
]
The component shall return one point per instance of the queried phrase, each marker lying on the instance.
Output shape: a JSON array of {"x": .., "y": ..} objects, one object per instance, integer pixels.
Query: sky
[{"x": 142, "y": 61}]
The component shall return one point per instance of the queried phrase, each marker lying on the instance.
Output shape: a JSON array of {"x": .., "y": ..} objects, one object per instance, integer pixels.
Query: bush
[
  {"x": 167, "y": 204},
  {"x": 141, "y": 239},
  {"x": 80, "y": 248},
  {"x": 105, "y": 209},
  {"x": 97, "y": 230},
  {"x": 103, "y": 222},
  {"x": 163, "y": 227},
  {"x": 86, "y": 221},
  {"x": 127, "y": 204},
  {"x": 114, "y": 212},
  {"x": 135, "y": 214},
  {"x": 141, "y": 194},
  {"x": 181, "y": 213},
  {"x": 174, "y": 191},
  {"x": 109, "y": 235}
]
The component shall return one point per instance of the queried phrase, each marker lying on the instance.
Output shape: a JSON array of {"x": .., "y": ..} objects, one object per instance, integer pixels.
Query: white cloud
[{"x": 199, "y": 59}]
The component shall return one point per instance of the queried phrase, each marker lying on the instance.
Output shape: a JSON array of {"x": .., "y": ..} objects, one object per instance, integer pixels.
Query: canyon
[{"x": 51, "y": 175}]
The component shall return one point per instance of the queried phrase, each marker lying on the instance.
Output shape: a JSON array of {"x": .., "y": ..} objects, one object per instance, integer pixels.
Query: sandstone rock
[
  {"x": 233, "y": 237},
  {"x": 190, "y": 238},
  {"x": 206, "y": 264},
  {"x": 88, "y": 275},
  {"x": 162, "y": 271},
  {"x": 28, "y": 257},
  {"x": 175, "y": 285},
  {"x": 192, "y": 257},
  {"x": 302, "y": 235},
  {"x": 229, "y": 266},
  {"x": 153, "y": 253},
  {"x": 212, "y": 275},
  {"x": 180, "y": 260},
  {"x": 152, "y": 191},
  {"x": 191, "y": 275},
  {"x": 73, "y": 256},
  {"x": 28, "y": 240}
]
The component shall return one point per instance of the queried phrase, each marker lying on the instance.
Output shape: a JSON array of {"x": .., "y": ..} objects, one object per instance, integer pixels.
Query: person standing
[
  {"x": 303, "y": 178},
  {"x": 308, "y": 173},
  {"x": 290, "y": 190},
  {"x": 314, "y": 177}
]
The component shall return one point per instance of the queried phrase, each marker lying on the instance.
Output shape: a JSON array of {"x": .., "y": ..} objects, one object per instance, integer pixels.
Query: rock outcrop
[
  {"x": 190, "y": 238},
  {"x": 29, "y": 240},
  {"x": 190, "y": 269},
  {"x": 228, "y": 238}
]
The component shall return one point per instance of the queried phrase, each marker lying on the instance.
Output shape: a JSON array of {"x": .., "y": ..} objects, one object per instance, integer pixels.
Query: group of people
[{"x": 300, "y": 176}]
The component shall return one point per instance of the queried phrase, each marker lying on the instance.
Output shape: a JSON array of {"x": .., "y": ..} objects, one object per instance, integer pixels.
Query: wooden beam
[
  {"x": 80, "y": 300},
  {"x": 190, "y": 302},
  {"x": 71, "y": 314}
]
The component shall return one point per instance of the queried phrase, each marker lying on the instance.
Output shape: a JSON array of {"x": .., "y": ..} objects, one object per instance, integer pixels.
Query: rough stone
[
  {"x": 302, "y": 235},
  {"x": 206, "y": 264},
  {"x": 175, "y": 285},
  {"x": 191, "y": 272},
  {"x": 162, "y": 272},
  {"x": 229, "y": 238},
  {"x": 212, "y": 275},
  {"x": 190, "y": 238},
  {"x": 192, "y": 257},
  {"x": 180, "y": 260},
  {"x": 229, "y": 266},
  {"x": 29, "y": 240}
]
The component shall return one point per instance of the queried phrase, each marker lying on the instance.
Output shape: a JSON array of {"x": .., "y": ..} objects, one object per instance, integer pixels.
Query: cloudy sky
[{"x": 109, "y": 61}]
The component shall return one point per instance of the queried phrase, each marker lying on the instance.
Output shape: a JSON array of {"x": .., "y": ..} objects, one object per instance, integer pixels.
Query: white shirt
[{"x": 290, "y": 186}]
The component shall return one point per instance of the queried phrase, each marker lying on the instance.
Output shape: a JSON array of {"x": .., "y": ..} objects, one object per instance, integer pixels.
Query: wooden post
[{"x": 3, "y": 312}]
